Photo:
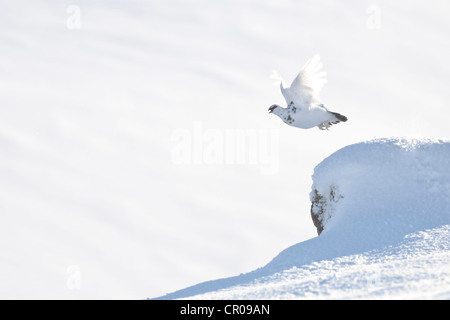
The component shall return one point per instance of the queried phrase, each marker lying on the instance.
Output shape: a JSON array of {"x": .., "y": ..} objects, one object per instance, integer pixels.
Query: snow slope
[
  {"x": 415, "y": 268},
  {"x": 386, "y": 231},
  {"x": 95, "y": 95}
]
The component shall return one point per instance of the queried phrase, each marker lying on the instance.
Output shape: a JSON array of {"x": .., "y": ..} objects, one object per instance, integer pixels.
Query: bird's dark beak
[{"x": 272, "y": 107}]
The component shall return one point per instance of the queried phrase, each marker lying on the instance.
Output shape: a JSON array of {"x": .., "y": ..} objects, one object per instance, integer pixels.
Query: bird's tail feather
[{"x": 339, "y": 116}]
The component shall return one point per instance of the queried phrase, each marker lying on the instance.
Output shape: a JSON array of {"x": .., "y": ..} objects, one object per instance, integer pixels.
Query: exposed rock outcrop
[{"x": 323, "y": 205}]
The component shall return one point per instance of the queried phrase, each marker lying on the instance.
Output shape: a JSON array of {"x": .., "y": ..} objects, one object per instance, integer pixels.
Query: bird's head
[{"x": 273, "y": 107}]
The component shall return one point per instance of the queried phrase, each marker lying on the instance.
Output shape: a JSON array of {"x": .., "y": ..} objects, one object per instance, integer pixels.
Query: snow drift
[
  {"x": 381, "y": 185},
  {"x": 382, "y": 209}
]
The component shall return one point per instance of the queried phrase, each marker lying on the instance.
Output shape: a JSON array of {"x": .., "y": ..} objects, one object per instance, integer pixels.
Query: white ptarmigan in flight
[{"x": 304, "y": 109}]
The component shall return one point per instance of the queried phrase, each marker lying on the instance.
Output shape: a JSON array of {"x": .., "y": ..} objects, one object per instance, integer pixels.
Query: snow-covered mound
[
  {"x": 383, "y": 210},
  {"x": 376, "y": 186}
]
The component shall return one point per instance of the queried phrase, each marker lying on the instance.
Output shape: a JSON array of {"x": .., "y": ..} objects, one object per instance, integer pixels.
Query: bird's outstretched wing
[{"x": 305, "y": 88}]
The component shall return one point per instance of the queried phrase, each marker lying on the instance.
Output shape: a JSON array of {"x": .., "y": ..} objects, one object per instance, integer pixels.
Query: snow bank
[
  {"x": 415, "y": 268},
  {"x": 383, "y": 187},
  {"x": 373, "y": 194},
  {"x": 400, "y": 183},
  {"x": 384, "y": 208}
]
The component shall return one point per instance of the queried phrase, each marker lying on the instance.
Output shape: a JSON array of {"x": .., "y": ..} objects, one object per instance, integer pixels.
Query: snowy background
[{"x": 119, "y": 177}]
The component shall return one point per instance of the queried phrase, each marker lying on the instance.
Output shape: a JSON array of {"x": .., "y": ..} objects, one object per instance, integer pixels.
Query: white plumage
[{"x": 304, "y": 108}]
